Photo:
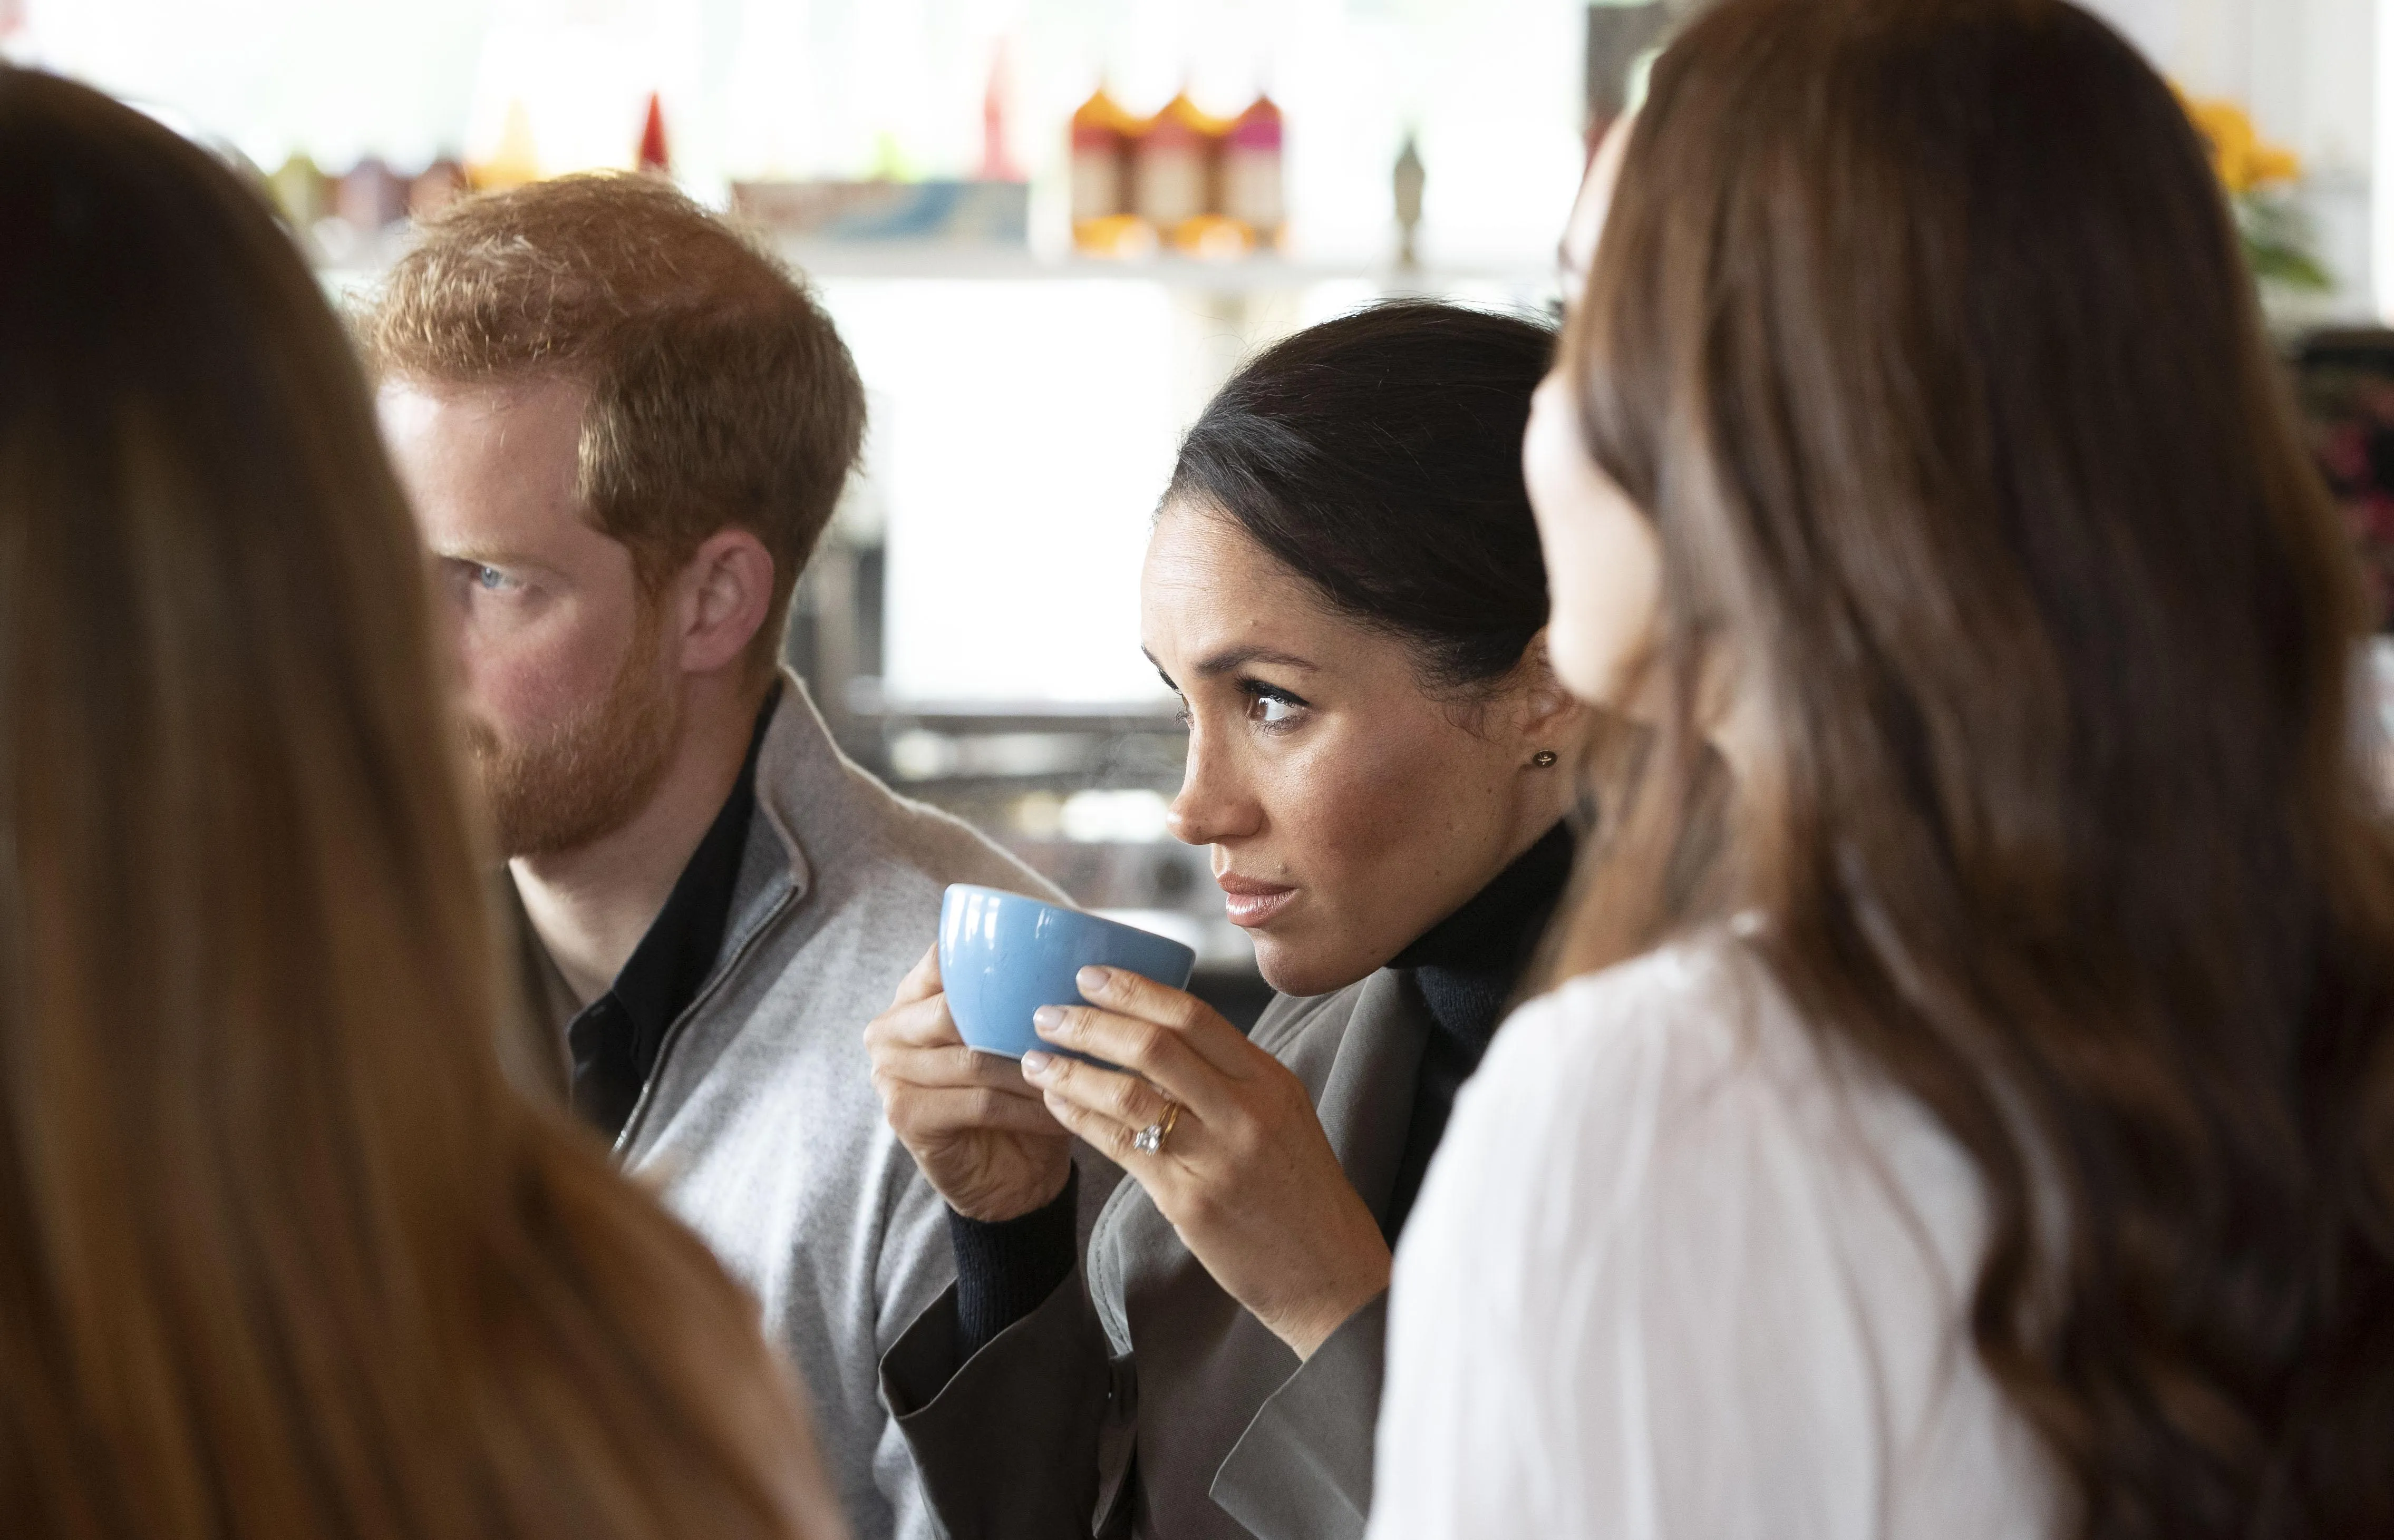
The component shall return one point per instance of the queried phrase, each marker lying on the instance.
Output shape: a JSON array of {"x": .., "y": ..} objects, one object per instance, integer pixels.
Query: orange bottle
[
  {"x": 1171, "y": 167},
  {"x": 1102, "y": 221},
  {"x": 516, "y": 160}
]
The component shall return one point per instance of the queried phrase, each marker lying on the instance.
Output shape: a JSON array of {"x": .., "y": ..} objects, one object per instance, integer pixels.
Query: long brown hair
[
  {"x": 281, "y": 1253},
  {"x": 1920, "y": 330}
]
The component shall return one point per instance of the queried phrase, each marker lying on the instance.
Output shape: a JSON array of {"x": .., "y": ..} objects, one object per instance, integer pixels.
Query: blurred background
[{"x": 1049, "y": 228}]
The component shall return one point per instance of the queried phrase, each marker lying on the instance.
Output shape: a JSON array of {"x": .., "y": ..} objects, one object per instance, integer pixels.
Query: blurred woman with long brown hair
[
  {"x": 2001, "y": 1141},
  {"x": 281, "y": 1252}
]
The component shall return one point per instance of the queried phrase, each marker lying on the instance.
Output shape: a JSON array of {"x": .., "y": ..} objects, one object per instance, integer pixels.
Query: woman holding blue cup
[{"x": 1343, "y": 586}]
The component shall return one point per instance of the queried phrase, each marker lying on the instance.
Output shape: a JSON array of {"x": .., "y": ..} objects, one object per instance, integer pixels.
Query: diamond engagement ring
[{"x": 1150, "y": 1140}]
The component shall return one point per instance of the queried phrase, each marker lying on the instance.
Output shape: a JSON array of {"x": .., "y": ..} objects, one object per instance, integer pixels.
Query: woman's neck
[{"x": 1468, "y": 965}]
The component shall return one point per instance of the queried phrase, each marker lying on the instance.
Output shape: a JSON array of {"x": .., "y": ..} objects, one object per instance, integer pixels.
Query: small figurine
[{"x": 1409, "y": 179}]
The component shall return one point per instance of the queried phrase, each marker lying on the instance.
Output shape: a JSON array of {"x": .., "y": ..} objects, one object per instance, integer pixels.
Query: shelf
[
  {"x": 1010, "y": 716},
  {"x": 365, "y": 260},
  {"x": 1240, "y": 275}
]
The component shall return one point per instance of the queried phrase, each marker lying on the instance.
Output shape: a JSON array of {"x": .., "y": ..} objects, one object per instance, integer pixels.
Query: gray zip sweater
[{"x": 760, "y": 1125}]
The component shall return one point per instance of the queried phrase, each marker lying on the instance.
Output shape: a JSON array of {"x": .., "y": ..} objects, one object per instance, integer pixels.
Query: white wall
[
  {"x": 2307, "y": 72},
  {"x": 343, "y": 77}
]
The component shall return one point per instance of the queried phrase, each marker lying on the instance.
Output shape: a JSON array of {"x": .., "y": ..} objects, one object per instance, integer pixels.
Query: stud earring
[{"x": 1543, "y": 759}]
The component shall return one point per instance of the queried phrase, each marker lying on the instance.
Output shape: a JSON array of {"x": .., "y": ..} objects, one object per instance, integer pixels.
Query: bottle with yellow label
[{"x": 1172, "y": 168}]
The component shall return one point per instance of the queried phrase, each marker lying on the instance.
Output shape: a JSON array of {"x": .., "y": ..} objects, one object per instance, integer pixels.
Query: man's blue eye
[{"x": 489, "y": 577}]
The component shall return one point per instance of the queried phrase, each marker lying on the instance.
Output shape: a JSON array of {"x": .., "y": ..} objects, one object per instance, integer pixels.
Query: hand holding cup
[{"x": 982, "y": 1137}]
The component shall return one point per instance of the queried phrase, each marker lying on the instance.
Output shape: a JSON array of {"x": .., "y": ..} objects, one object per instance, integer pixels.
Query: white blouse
[{"x": 1673, "y": 1275}]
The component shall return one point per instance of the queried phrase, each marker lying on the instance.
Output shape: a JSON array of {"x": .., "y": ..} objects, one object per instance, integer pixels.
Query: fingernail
[
  {"x": 1035, "y": 1062},
  {"x": 1047, "y": 1019},
  {"x": 1093, "y": 979}
]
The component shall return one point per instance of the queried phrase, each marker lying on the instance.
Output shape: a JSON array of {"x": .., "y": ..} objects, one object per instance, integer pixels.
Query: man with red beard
[{"x": 623, "y": 429}]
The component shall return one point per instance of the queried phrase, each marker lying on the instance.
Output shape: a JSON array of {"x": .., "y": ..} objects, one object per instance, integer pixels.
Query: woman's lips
[{"x": 1250, "y": 903}]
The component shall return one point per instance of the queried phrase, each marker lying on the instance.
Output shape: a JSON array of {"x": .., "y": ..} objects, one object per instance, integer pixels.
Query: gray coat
[
  {"x": 760, "y": 1125},
  {"x": 1140, "y": 1399}
]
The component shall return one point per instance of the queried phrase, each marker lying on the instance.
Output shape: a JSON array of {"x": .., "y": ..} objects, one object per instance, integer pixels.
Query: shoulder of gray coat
[{"x": 945, "y": 847}]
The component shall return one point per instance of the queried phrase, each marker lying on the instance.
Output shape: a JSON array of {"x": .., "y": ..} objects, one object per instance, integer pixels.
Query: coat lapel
[{"x": 1204, "y": 1365}]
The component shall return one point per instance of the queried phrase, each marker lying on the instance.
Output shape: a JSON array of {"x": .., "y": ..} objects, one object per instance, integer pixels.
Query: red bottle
[
  {"x": 996, "y": 163},
  {"x": 653, "y": 158}
]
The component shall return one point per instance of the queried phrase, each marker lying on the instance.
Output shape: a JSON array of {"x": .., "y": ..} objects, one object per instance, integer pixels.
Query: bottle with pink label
[{"x": 1251, "y": 172}]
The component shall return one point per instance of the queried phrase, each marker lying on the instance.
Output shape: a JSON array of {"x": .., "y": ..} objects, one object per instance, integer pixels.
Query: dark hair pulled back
[{"x": 1378, "y": 456}]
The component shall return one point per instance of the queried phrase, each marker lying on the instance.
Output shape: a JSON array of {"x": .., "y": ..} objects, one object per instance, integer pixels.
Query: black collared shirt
[{"x": 614, "y": 1043}]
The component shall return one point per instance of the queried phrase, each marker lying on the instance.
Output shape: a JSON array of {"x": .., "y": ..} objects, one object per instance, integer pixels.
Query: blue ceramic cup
[{"x": 1003, "y": 956}]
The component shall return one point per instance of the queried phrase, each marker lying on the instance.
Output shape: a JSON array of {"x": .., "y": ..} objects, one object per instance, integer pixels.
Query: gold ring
[{"x": 1150, "y": 1140}]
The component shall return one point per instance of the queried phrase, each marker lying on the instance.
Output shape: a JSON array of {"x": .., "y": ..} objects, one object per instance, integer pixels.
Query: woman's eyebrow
[{"x": 1231, "y": 659}]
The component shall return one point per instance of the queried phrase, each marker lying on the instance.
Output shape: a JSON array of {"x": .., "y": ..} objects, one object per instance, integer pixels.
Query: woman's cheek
[
  {"x": 1602, "y": 560},
  {"x": 1605, "y": 572},
  {"x": 1626, "y": 567},
  {"x": 1372, "y": 812}
]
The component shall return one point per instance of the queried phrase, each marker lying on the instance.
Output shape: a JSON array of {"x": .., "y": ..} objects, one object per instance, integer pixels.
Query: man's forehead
[
  {"x": 497, "y": 401},
  {"x": 490, "y": 470}
]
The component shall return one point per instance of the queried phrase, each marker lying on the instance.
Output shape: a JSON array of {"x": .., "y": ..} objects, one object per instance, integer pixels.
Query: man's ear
[{"x": 725, "y": 591}]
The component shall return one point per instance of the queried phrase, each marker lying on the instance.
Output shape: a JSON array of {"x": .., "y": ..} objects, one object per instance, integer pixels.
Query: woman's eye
[{"x": 1267, "y": 707}]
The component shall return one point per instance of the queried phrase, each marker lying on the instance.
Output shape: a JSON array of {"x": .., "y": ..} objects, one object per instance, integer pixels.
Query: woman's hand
[
  {"x": 1245, "y": 1175},
  {"x": 981, "y": 1135}
]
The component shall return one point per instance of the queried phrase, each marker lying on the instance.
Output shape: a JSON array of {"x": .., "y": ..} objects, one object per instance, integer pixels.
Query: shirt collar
[{"x": 616, "y": 1041}]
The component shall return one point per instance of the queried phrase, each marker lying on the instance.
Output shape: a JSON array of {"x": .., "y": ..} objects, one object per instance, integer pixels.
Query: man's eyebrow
[{"x": 478, "y": 556}]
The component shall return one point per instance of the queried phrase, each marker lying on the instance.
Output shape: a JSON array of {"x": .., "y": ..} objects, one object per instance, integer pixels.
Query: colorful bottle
[
  {"x": 1102, "y": 221},
  {"x": 1171, "y": 167},
  {"x": 996, "y": 162},
  {"x": 301, "y": 192},
  {"x": 516, "y": 160},
  {"x": 1251, "y": 172},
  {"x": 655, "y": 160},
  {"x": 435, "y": 188},
  {"x": 371, "y": 196}
]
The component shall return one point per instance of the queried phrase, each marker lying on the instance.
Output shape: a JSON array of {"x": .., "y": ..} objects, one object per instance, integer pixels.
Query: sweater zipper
[{"x": 713, "y": 986}]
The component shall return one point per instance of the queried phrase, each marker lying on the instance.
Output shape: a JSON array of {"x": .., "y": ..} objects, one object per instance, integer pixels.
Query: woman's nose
[{"x": 1215, "y": 804}]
